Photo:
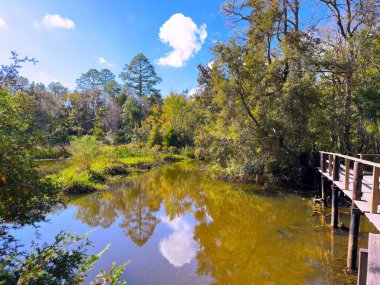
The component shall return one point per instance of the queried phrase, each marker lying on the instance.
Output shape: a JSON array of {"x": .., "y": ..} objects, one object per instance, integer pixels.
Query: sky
[{"x": 68, "y": 37}]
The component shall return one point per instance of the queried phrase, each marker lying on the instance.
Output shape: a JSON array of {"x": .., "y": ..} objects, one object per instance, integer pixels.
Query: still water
[{"x": 178, "y": 226}]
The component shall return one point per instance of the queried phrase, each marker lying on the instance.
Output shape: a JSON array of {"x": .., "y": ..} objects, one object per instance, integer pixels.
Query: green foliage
[
  {"x": 170, "y": 137},
  {"x": 112, "y": 277},
  {"x": 277, "y": 90},
  {"x": 25, "y": 196},
  {"x": 63, "y": 262},
  {"x": 84, "y": 151}
]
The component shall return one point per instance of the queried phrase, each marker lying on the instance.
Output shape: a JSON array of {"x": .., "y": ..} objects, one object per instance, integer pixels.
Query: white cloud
[
  {"x": 3, "y": 24},
  {"x": 102, "y": 60},
  {"x": 179, "y": 248},
  {"x": 210, "y": 64},
  {"x": 194, "y": 91},
  {"x": 55, "y": 21},
  {"x": 183, "y": 35}
]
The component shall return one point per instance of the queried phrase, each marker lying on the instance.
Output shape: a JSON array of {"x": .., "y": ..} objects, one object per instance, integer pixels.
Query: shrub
[
  {"x": 170, "y": 138},
  {"x": 84, "y": 150}
]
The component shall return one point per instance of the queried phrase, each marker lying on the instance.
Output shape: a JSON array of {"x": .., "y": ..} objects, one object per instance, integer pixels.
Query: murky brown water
[{"x": 177, "y": 226}]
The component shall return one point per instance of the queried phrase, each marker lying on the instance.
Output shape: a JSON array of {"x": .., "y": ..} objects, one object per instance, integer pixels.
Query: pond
[{"x": 178, "y": 226}]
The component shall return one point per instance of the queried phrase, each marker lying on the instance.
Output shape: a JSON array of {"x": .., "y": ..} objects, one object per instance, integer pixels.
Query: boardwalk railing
[
  {"x": 350, "y": 175},
  {"x": 369, "y": 184}
]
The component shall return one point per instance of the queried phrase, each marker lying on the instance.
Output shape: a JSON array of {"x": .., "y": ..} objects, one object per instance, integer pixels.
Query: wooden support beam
[
  {"x": 375, "y": 190},
  {"x": 357, "y": 183},
  {"x": 373, "y": 268},
  {"x": 353, "y": 239},
  {"x": 334, "y": 206},
  {"x": 347, "y": 174},
  {"x": 323, "y": 191},
  {"x": 363, "y": 263},
  {"x": 330, "y": 164}
]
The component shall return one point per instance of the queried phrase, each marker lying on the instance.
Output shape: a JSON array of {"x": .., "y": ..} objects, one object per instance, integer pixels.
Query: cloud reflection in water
[{"x": 179, "y": 248}]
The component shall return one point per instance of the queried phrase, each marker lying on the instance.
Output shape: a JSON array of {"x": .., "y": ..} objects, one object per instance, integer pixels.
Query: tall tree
[{"x": 140, "y": 76}]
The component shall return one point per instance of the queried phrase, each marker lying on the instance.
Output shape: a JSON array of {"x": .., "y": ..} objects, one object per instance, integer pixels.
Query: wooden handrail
[{"x": 367, "y": 162}]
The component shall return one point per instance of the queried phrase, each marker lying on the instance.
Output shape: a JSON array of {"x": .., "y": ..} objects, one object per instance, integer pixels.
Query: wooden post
[
  {"x": 323, "y": 190},
  {"x": 334, "y": 206},
  {"x": 323, "y": 162},
  {"x": 357, "y": 183},
  {"x": 347, "y": 174},
  {"x": 317, "y": 181},
  {"x": 353, "y": 237},
  {"x": 375, "y": 190},
  {"x": 363, "y": 263},
  {"x": 336, "y": 167},
  {"x": 335, "y": 195},
  {"x": 330, "y": 164}
]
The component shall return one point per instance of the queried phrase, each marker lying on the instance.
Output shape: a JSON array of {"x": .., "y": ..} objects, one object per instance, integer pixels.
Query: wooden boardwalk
[
  {"x": 358, "y": 179},
  {"x": 364, "y": 204}
]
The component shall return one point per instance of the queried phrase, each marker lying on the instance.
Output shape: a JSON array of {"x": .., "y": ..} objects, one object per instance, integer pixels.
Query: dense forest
[{"x": 276, "y": 90}]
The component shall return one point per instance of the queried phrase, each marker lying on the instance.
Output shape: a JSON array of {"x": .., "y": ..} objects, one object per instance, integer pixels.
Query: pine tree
[{"x": 140, "y": 76}]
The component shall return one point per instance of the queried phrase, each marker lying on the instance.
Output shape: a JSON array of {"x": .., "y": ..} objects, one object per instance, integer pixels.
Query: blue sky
[{"x": 68, "y": 37}]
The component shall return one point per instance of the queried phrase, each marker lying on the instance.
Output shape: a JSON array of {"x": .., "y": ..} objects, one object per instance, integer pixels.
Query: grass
[{"x": 84, "y": 172}]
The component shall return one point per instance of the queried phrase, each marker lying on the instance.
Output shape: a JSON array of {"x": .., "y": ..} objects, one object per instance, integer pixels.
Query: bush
[
  {"x": 170, "y": 138},
  {"x": 84, "y": 150}
]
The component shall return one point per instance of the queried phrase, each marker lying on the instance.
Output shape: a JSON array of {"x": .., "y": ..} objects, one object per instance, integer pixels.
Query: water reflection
[
  {"x": 179, "y": 248},
  {"x": 229, "y": 236}
]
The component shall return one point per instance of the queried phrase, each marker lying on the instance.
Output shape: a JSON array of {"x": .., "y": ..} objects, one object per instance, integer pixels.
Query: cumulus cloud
[
  {"x": 184, "y": 37},
  {"x": 179, "y": 248},
  {"x": 3, "y": 24},
  {"x": 55, "y": 21},
  {"x": 102, "y": 60}
]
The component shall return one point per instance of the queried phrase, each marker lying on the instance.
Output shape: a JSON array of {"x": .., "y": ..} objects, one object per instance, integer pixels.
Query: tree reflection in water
[{"x": 235, "y": 236}]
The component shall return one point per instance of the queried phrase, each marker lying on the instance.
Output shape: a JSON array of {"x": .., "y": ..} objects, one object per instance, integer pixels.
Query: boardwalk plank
[{"x": 373, "y": 269}]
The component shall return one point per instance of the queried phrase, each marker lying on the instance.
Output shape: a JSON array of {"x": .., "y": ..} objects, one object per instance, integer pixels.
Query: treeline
[{"x": 132, "y": 112}]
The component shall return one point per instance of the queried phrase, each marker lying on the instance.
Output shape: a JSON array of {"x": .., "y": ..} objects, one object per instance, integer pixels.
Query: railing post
[
  {"x": 357, "y": 182},
  {"x": 335, "y": 196},
  {"x": 336, "y": 167},
  {"x": 323, "y": 162},
  {"x": 330, "y": 164},
  {"x": 353, "y": 235},
  {"x": 347, "y": 174},
  {"x": 375, "y": 190}
]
